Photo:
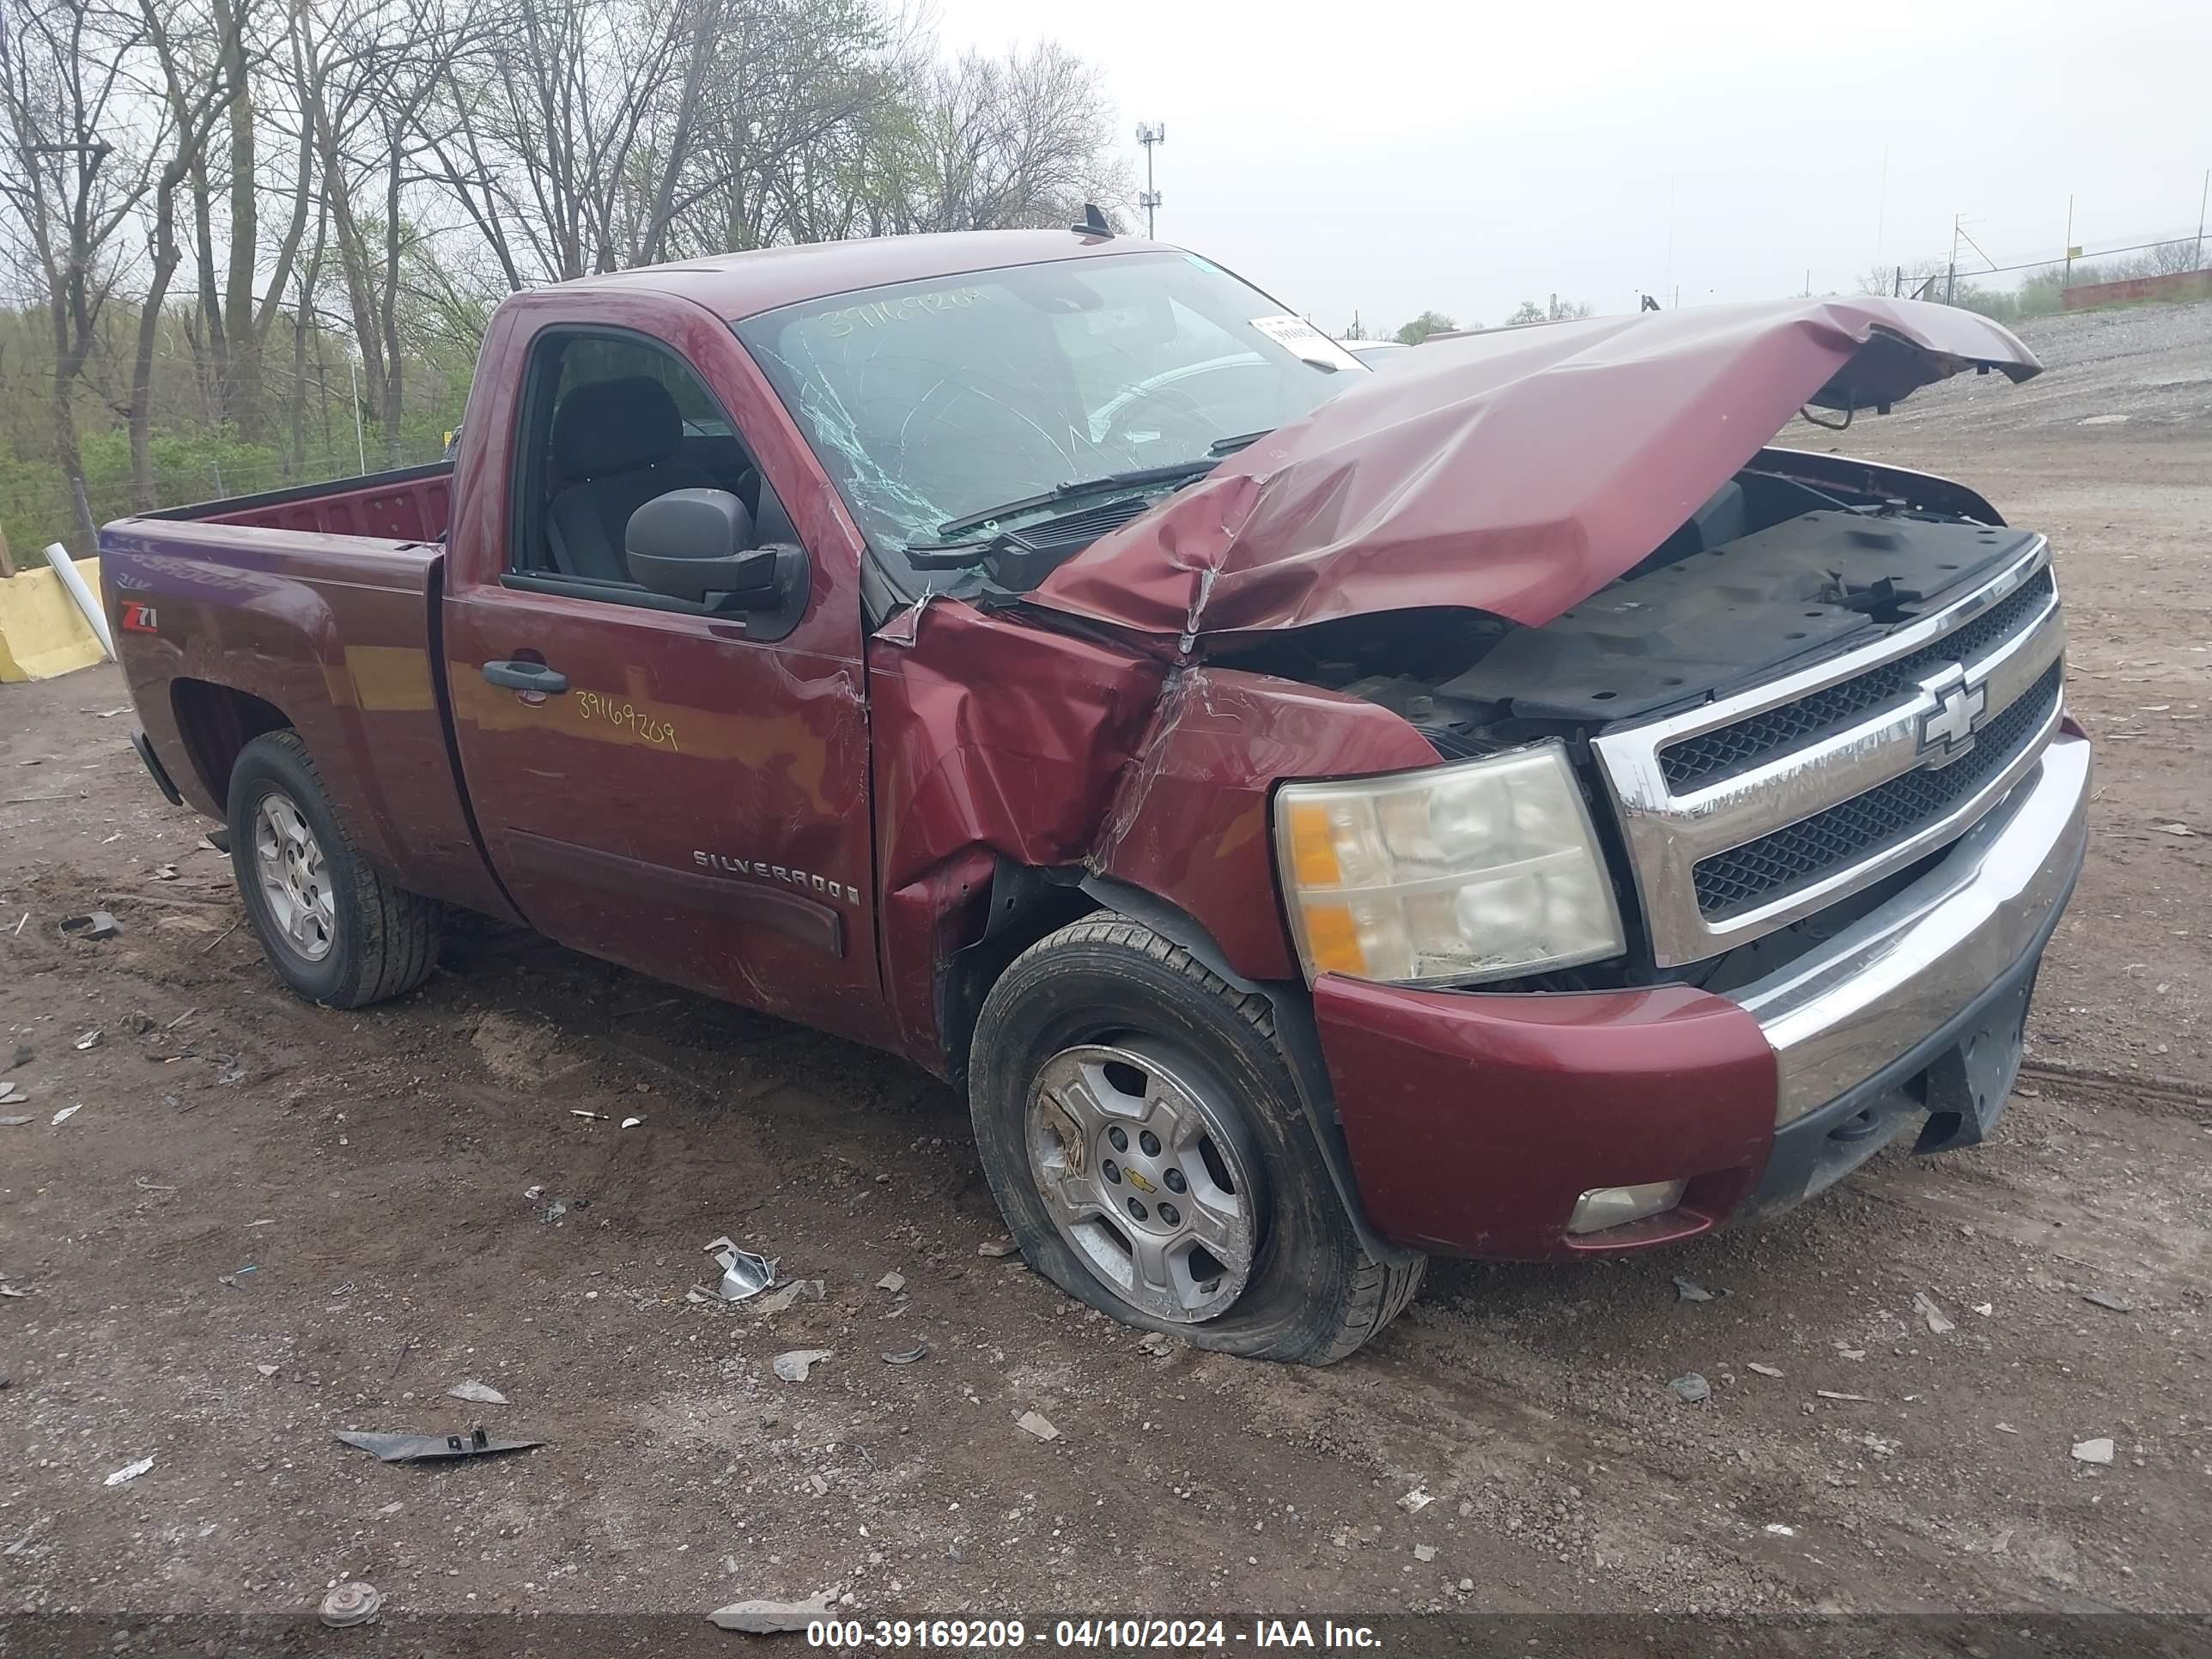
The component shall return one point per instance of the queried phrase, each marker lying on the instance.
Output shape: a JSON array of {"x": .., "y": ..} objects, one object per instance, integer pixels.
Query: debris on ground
[
  {"x": 145, "y": 1466},
  {"x": 12, "y": 1095},
  {"x": 917, "y": 1352},
  {"x": 1035, "y": 1423},
  {"x": 1415, "y": 1501},
  {"x": 1688, "y": 1290},
  {"x": 1938, "y": 1322},
  {"x": 1691, "y": 1387},
  {"x": 24, "y": 1055},
  {"x": 1781, "y": 1531},
  {"x": 96, "y": 925},
  {"x": 233, "y": 1071},
  {"x": 66, "y": 1113},
  {"x": 353, "y": 1602},
  {"x": 1985, "y": 1308},
  {"x": 481, "y": 1392},
  {"x": 2007, "y": 1428},
  {"x": 892, "y": 1282},
  {"x": 1830, "y": 1393},
  {"x": 430, "y": 1447},
  {"x": 1767, "y": 1371},
  {"x": 580, "y": 1111},
  {"x": 744, "y": 1273},
  {"x": 90, "y": 1040},
  {"x": 997, "y": 1247},
  {"x": 267, "y": 1370},
  {"x": 793, "y": 1365},
  {"x": 1424, "y": 1552},
  {"x": 632, "y": 1123},
  {"x": 2106, "y": 1299},
  {"x": 2181, "y": 830},
  {"x": 768, "y": 1618},
  {"x": 2099, "y": 1451},
  {"x": 13, "y": 1122},
  {"x": 789, "y": 1294}
]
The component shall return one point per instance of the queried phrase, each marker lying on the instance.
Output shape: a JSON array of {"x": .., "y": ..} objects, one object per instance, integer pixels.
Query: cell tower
[{"x": 1150, "y": 133}]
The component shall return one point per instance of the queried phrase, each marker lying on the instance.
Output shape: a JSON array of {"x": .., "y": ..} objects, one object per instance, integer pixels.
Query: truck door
[{"x": 658, "y": 783}]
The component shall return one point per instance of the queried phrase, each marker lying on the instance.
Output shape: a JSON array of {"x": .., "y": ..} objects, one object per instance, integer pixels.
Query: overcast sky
[{"x": 1388, "y": 156}]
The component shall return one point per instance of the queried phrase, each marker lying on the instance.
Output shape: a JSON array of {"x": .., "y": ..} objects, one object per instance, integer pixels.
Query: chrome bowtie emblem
[{"x": 1946, "y": 731}]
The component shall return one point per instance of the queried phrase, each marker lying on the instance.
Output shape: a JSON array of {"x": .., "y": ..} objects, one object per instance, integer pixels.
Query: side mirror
[
  {"x": 695, "y": 544},
  {"x": 689, "y": 543}
]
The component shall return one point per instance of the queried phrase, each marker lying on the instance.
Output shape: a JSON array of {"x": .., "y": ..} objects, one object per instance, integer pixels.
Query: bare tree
[
  {"x": 1018, "y": 140},
  {"x": 76, "y": 174},
  {"x": 198, "y": 85}
]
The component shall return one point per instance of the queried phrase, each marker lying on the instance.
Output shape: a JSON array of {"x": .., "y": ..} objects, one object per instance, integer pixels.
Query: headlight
[{"x": 1474, "y": 872}]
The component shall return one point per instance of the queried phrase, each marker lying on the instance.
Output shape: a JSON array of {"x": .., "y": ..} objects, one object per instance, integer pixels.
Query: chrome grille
[
  {"x": 1755, "y": 871},
  {"x": 1762, "y": 807},
  {"x": 1730, "y": 748}
]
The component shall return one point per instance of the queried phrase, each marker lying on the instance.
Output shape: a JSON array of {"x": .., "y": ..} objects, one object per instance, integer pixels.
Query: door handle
[{"x": 526, "y": 677}]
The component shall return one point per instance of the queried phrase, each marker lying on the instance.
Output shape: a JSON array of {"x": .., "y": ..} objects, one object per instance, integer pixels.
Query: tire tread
[{"x": 399, "y": 942}]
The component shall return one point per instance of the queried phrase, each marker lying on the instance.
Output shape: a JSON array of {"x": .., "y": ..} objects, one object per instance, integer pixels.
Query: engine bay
[{"x": 1769, "y": 576}]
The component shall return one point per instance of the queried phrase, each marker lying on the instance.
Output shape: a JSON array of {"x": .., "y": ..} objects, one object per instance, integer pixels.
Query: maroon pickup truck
[{"x": 1497, "y": 806}]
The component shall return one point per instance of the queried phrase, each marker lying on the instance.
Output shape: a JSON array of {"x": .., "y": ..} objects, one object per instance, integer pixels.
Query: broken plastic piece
[
  {"x": 793, "y": 1367},
  {"x": 919, "y": 1351},
  {"x": 481, "y": 1392},
  {"x": 430, "y": 1447},
  {"x": 145, "y": 1465},
  {"x": 744, "y": 1273},
  {"x": 98, "y": 925},
  {"x": 1037, "y": 1423},
  {"x": 767, "y": 1617},
  {"x": 353, "y": 1602}
]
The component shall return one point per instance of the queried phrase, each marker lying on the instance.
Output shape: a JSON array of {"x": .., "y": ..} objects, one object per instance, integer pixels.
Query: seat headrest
[{"x": 611, "y": 426}]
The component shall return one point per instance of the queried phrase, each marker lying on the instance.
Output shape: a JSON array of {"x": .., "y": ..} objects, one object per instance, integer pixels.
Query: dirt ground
[{"x": 264, "y": 1221}]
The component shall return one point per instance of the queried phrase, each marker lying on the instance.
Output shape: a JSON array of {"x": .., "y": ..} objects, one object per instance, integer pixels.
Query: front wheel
[
  {"x": 1143, "y": 1136},
  {"x": 336, "y": 930}
]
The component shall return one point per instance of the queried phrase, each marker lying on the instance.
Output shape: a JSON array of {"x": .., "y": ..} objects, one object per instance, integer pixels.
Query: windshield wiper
[{"x": 1134, "y": 478}]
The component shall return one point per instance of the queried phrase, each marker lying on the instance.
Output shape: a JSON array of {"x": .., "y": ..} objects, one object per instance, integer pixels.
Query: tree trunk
[
  {"x": 71, "y": 459},
  {"x": 242, "y": 384}
]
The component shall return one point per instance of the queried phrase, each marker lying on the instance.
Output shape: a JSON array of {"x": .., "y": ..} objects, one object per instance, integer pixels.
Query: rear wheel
[
  {"x": 1142, "y": 1133},
  {"x": 336, "y": 930}
]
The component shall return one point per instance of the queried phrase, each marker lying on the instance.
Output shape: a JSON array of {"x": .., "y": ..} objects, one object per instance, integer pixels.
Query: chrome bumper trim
[{"x": 1837, "y": 1016}]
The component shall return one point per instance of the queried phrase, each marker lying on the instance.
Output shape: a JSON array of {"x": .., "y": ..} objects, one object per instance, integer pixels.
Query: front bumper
[{"x": 1475, "y": 1120}]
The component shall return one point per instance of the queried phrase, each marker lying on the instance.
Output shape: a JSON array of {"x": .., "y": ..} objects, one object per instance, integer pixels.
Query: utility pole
[
  {"x": 2066, "y": 280},
  {"x": 1951, "y": 273},
  {"x": 2202, "y": 195},
  {"x": 1150, "y": 133}
]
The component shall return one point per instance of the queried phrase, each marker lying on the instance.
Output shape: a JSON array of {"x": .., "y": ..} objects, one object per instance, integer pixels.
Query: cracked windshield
[{"x": 947, "y": 410}]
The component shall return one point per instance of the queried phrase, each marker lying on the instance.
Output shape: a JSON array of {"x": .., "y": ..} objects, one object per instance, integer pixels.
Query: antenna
[
  {"x": 1093, "y": 222},
  {"x": 1150, "y": 133}
]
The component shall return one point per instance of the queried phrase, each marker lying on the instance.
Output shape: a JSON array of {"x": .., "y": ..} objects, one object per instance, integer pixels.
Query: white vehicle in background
[{"x": 1375, "y": 353}]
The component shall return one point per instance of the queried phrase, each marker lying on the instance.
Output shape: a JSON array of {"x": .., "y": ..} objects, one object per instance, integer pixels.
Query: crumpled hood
[{"x": 1515, "y": 471}]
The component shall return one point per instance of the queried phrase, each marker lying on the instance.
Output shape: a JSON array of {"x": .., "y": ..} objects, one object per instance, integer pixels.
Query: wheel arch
[
  {"x": 1028, "y": 903},
  {"x": 215, "y": 722}
]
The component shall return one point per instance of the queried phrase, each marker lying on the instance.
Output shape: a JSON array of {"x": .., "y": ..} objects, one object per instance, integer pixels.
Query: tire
[
  {"x": 1105, "y": 1026},
  {"x": 357, "y": 938}
]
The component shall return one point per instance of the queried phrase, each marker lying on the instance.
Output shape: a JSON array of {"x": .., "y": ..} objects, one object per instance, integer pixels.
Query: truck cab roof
[{"x": 735, "y": 286}]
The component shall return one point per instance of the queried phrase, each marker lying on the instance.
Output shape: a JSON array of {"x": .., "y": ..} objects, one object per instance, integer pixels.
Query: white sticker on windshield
[{"x": 1298, "y": 335}]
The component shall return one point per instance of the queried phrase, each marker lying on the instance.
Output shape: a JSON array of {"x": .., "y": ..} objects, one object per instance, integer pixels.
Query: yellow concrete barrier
[{"x": 41, "y": 633}]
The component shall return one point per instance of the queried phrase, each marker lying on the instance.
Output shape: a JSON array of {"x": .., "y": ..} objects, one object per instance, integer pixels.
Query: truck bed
[
  {"x": 317, "y": 609},
  {"x": 410, "y": 504}
]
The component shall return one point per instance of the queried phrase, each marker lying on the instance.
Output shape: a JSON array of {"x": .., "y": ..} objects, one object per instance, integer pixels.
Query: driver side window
[{"x": 614, "y": 421}]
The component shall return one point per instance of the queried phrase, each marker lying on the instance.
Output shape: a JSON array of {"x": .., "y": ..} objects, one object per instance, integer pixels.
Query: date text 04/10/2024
[{"x": 1106, "y": 1634}]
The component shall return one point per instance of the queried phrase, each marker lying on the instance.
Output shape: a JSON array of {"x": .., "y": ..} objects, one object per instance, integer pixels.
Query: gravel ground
[{"x": 264, "y": 1222}]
